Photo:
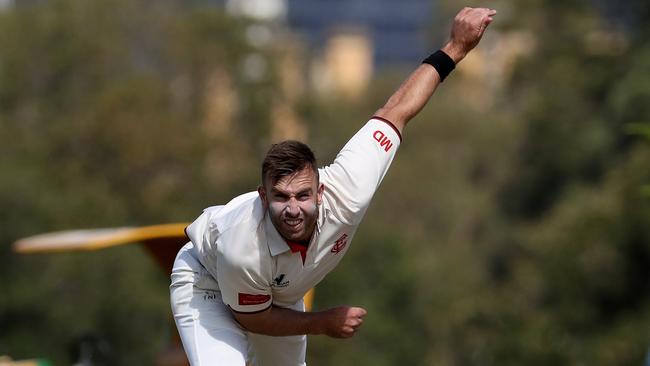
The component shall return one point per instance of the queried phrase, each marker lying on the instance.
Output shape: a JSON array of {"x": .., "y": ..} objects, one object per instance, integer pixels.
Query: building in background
[
  {"x": 344, "y": 41},
  {"x": 398, "y": 30}
]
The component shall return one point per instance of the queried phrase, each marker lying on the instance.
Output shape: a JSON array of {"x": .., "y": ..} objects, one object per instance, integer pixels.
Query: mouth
[{"x": 293, "y": 224}]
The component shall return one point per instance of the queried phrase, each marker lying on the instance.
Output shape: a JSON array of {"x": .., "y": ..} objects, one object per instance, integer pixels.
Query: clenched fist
[
  {"x": 342, "y": 321},
  {"x": 467, "y": 30}
]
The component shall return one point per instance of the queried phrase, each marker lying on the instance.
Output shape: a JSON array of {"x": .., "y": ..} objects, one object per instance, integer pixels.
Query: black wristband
[{"x": 441, "y": 62}]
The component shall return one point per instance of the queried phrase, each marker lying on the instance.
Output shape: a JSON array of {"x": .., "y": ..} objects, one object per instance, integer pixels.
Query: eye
[
  {"x": 304, "y": 196},
  {"x": 280, "y": 197}
]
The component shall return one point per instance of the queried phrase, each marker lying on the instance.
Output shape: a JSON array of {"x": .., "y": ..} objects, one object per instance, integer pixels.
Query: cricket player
[{"x": 237, "y": 286}]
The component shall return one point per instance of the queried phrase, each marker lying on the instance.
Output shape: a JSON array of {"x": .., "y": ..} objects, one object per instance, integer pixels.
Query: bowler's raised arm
[{"x": 467, "y": 30}]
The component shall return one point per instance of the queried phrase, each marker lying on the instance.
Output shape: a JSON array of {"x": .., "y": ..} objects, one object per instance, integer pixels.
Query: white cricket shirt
[{"x": 253, "y": 266}]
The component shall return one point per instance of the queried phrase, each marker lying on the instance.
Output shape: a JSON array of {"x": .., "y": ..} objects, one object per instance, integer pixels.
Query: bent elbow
[{"x": 252, "y": 322}]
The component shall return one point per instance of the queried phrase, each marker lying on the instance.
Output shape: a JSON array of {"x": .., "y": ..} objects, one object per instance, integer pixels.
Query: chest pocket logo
[
  {"x": 340, "y": 244},
  {"x": 279, "y": 281}
]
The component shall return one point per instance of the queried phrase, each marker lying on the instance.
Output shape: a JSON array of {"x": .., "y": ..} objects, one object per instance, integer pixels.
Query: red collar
[{"x": 297, "y": 247}]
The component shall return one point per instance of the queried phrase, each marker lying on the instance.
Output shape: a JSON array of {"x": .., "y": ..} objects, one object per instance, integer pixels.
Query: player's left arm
[{"x": 467, "y": 30}]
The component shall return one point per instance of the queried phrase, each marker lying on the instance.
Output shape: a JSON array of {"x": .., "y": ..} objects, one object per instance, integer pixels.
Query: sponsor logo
[
  {"x": 384, "y": 142},
  {"x": 340, "y": 244},
  {"x": 249, "y": 299},
  {"x": 279, "y": 281}
]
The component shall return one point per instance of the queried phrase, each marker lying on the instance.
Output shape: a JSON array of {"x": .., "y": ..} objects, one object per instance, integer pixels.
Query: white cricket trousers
[{"x": 208, "y": 330}]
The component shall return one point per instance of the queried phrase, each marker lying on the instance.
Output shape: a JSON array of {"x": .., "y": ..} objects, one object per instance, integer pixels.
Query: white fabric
[
  {"x": 249, "y": 263},
  {"x": 208, "y": 330}
]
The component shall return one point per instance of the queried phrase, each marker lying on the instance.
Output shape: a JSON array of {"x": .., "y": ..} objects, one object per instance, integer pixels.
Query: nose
[{"x": 292, "y": 209}]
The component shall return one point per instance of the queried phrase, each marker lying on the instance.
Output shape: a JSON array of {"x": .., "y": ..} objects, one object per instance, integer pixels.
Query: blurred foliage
[
  {"x": 101, "y": 117},
  {"x": 513, "y": 227}
]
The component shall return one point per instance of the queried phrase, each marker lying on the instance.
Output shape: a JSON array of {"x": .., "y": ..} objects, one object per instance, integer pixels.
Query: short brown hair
[{"x": 286, "y": 158}]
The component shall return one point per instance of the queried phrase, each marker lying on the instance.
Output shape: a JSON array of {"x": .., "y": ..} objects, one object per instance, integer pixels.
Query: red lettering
[
  {"x": 386, "y": 144},
  {"x": 383, "y": 140}
]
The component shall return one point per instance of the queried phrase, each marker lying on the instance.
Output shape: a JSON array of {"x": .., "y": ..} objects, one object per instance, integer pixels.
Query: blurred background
[{"x": 512, "y": 229}]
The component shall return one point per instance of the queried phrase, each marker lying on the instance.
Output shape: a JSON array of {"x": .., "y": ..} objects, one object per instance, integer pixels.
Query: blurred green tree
[
  {"x": 103, "y": 109},
  {"x": 507, "y": 234},
  {"x": 525, "y": 235}
]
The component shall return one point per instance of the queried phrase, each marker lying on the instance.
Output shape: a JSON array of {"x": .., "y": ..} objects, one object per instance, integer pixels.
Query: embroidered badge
[
  {"x": 280, "y": 282},
  {"x": 340, "y": 244}
]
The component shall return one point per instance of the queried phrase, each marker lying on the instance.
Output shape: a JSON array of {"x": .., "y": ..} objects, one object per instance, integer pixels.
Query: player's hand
[
  {"x": 466, "y": 32},
  {"x": 343, "y": 321}
]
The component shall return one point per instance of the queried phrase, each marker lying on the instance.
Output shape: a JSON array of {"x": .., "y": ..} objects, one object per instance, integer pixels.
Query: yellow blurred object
[
  {"x": 309, "y": 299},
  {"x": 94, "y": 239},
  {"x": 161, "y": 241},
  {"x": 7, "y": 361}
]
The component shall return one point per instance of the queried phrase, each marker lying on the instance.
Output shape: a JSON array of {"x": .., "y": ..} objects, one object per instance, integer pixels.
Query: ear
[
  {"x": 319, "y": 193},
  {"x": 262, "y": 192}
]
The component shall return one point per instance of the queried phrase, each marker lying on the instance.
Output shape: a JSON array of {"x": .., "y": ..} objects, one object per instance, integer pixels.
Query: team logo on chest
[{"x": 340, "y": 244}]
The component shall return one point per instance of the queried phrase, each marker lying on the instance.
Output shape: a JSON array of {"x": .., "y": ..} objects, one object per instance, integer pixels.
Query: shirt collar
[{"x": 276, "y": 242}]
